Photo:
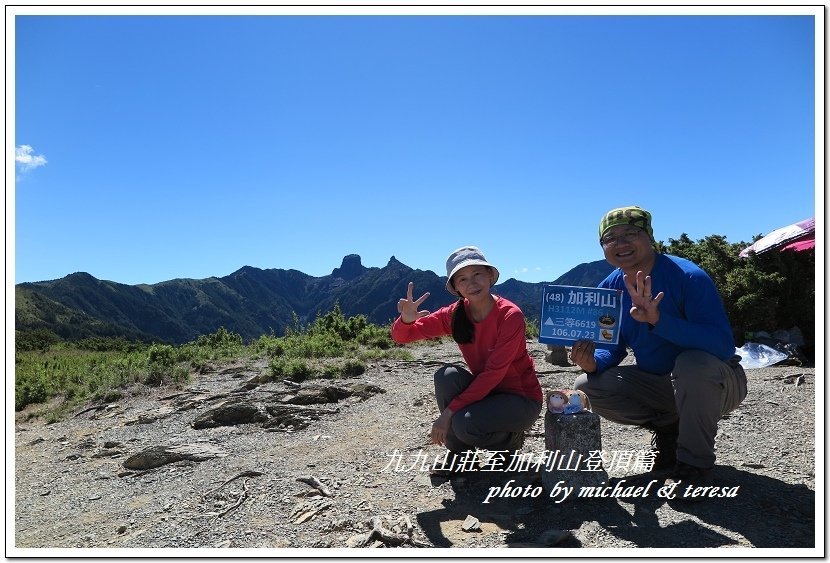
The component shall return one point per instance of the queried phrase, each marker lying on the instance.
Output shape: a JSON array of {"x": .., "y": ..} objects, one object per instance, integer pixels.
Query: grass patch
[
  {"x": 331, "y": 347},
  {"x": 59, "y": 377}
]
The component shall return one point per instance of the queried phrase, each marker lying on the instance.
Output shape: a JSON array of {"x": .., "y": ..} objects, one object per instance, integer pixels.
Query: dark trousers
[
  {"x": 697, "y": 393},
  {"x": 493, "y": 423}
]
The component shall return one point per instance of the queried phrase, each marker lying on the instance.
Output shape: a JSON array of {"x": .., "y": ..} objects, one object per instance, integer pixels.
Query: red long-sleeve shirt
[{"x": 497, "y": 357}]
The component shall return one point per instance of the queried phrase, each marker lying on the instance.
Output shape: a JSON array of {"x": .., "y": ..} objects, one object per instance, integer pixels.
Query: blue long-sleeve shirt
[{"x": 692, "y": 317}]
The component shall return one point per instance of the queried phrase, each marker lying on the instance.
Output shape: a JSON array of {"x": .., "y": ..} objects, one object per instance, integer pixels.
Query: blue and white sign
[{"x": 571, "y": 313}]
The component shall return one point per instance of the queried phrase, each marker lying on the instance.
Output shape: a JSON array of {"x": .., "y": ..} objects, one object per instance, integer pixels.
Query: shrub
[
  {"x": 531, "y": 328},
  {"x": 101, "y": 344},
  {"x": 29, "y": 390},
  {"x": 770, "y": 291},
  {"x": 99, "y": 368},
  {"x": 323, "y": 345},
  {"x": 220, "y": 344},
  {"x": 37, "y": 339},
  {"x": 164, "y": 365},
  {"x": 292, "y": 368},
  {"x": 270, "y": 346},
  {"x": 375, "y": 336},
  {"x": 221, "y": 339},
  {"x": 161, "y": 355},
  {"x": 351, "y": 367}
]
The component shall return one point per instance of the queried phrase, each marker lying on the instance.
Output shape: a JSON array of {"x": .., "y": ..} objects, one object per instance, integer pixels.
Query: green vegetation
[
  {"x": 768, "y": 292},
  {"x": 96, "y": 368},
  {"x": 774, "y": 290},
  {"x": 532, "y": 327},
  {"x": 102, "y": 369},
  {"x": 41, "y": 322},
  {"x": 331, "y": 347}
]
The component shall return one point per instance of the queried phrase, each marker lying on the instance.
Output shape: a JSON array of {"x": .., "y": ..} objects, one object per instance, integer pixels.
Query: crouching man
[{"x": 687, "y": 375}]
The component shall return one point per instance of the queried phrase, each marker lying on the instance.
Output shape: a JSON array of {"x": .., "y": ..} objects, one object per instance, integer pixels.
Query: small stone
[
  {"x": 358, "y": 540},
  {"x": 471, "y": 524},
  {"x": 557, "y": 355},
  {"x": 87, "y": 444},
  {"x": 122, "y": 529},
  {"x": 107, "y": 453},
  {"x": 752, "y": 465},
  {"x": 305, "y": 516}
]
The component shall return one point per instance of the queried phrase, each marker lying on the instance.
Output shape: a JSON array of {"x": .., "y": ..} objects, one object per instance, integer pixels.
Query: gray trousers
[
  {"x": 698, "y": 392},
  {"x": 492, "y": 423}
]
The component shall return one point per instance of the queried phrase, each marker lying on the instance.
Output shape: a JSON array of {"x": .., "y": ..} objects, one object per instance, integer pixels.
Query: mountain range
[{"x": 250, "y": 302}]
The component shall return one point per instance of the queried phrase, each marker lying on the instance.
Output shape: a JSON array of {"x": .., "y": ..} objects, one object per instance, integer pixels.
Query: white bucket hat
[{"x": 466, "y": 256}]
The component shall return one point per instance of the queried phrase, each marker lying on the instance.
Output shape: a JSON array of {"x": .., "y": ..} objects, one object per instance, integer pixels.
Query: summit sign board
[{"x": 571, "y": 313}]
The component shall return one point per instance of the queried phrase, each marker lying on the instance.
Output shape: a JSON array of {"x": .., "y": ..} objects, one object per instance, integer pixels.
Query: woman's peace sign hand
[{"x": 409, "y": 308}]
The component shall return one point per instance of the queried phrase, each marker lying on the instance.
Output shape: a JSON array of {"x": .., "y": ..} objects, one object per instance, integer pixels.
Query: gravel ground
[{"x": 333, "y": 487}]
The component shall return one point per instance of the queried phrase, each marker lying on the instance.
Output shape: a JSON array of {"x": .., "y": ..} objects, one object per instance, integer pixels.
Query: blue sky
[{"x": 157, "y": 147}]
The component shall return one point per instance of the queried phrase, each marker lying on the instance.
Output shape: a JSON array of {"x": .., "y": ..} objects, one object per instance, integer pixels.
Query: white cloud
[{"x": 23, "y": 155}]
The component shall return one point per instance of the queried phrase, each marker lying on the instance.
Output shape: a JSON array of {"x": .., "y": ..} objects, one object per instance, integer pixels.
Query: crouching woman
[{"x": 492, "y": 404}]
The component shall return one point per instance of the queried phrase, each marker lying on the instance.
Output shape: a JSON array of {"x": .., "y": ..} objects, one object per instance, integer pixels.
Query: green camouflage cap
[{"x": 631, "y": 215}]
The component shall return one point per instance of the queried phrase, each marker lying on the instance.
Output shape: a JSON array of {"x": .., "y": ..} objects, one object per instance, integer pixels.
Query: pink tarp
[
  {"x": 801, "y": 245},
  {"x": 798, "y": 236}
]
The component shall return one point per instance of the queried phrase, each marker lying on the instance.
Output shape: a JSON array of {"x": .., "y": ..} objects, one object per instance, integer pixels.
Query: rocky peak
[{"x": 350, "y": 268}]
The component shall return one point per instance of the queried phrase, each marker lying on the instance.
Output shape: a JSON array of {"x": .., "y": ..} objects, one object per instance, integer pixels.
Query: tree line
[{"x": 764, "y": 292}]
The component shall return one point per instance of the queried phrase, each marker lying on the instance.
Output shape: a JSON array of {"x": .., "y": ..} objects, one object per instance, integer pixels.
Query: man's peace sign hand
[
  {"x": 644, "y": 305},
  {"x": 409, "y": 308}
]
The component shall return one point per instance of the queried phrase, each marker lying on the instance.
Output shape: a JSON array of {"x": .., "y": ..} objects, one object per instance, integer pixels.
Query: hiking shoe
[
  {"x": 664, "y": 445},
  {"x": 688, "y": 482}
]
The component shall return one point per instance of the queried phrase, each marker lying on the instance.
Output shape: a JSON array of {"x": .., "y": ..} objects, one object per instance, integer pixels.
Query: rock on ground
[{"x": 261, "y": 487}]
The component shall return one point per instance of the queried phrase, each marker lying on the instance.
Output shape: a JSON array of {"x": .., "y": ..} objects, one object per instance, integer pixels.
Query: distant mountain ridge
[{"x": 250, "y": 302}]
